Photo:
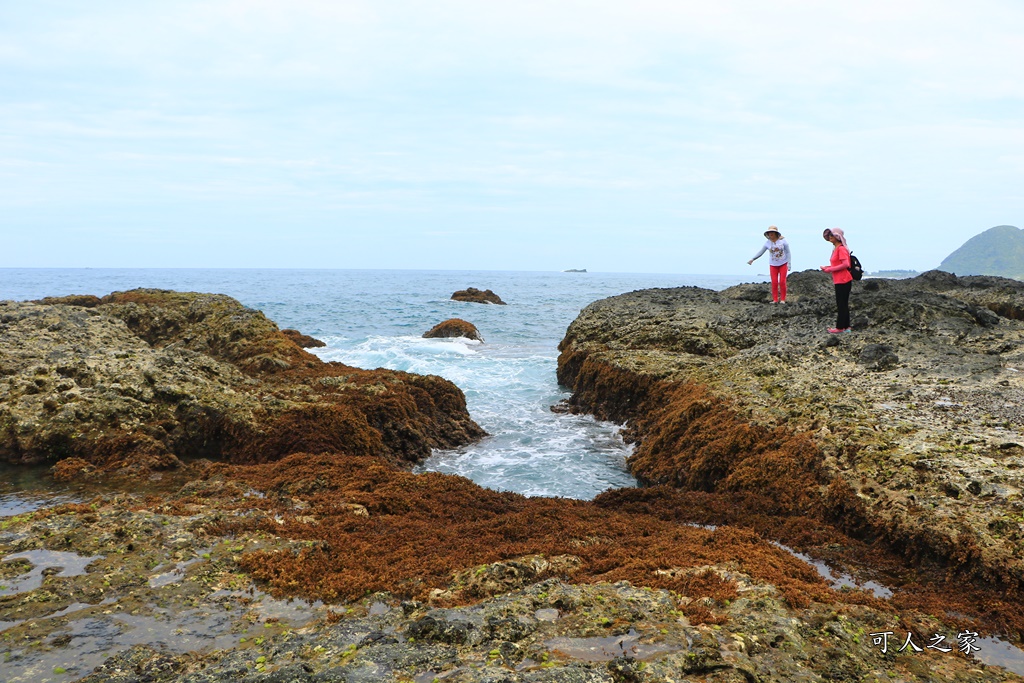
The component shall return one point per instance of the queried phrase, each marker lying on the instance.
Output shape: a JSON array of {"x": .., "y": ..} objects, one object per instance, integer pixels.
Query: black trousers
[{"x": 843, "y": 305}]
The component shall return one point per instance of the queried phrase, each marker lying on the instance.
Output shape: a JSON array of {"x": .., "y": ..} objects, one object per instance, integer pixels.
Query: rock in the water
[
  {"x": 476, "y": 296},
  {"x": 453, "y": 327},
  {"x": 303, "y": 340}
]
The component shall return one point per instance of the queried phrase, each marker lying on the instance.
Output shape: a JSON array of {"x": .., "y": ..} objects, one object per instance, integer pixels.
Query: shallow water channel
[{"x": 170, "y": 614}]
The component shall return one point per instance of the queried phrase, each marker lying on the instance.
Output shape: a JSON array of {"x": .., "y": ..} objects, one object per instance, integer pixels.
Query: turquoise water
[{"x": 373, "y": 319}]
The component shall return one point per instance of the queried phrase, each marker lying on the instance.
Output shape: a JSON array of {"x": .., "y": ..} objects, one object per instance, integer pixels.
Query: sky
[{"x": 642, "y": 136}]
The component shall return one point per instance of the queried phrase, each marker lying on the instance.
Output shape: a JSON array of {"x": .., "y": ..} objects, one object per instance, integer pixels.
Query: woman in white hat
[{"x": 778, "y": 262}]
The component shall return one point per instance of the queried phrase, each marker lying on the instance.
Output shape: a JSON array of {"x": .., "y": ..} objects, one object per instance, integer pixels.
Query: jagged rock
[
  {"x": 453, "y": 327},
  {"x": 441, "y": 629},
  {"x": 474, "y": 295},
  {"x": 657, "y": 597},
  {"x": 146, "y": 377},
  {"x": 603, "y": 633},
  {"x": 71, "y": 469},
  {"x": 84, "y": 300}
]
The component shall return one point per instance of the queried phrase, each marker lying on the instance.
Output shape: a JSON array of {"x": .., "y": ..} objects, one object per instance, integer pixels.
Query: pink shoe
[{"x": 838, "y": 330}]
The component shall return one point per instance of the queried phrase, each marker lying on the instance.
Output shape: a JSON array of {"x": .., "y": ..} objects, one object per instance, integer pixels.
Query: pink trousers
[{"x": 779, "y": 281}]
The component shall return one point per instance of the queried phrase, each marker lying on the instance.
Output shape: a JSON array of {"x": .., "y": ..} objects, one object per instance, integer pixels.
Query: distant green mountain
[{"x": 997, "y": 251}]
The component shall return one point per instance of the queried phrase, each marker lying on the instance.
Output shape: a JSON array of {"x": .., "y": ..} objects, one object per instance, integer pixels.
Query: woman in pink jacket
[{"x": 839, "y": 266}]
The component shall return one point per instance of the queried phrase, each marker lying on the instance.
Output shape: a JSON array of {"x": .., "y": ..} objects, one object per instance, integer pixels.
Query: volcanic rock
[
  {"x": 148, "y": 377},
  {"x": 726, "y": 394},
  {"x": 453, "y": 327},
  {"x": 474, "y": 295}
]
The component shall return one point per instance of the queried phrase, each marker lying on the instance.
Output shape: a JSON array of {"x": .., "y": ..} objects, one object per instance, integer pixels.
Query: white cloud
[{"x": 650, "y": 110}]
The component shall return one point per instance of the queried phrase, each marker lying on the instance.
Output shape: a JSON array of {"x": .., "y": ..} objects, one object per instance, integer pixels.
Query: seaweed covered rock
[
  {"x": 162, "y": 562},
  {"x": 455, "y": 527},
  {"x": 453, "y": 327},
  {"x": 476, "y": 296},
  {"x": 303, "y": 340},
  {"x": 904, "y": 431},
  {"x": 145, "y": 378}
]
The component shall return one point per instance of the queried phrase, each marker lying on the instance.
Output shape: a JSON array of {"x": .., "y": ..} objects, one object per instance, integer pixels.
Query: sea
[{"x": 376, "y": 319}]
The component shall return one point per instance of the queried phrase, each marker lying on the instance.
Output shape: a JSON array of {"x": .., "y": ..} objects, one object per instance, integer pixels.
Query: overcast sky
[{"x": 639, "y": 136}]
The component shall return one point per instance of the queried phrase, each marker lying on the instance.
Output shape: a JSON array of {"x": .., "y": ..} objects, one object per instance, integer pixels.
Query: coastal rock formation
[
  {"x": 476, "y": 296},
  {"x": 429, "y": 576},
  {"x": 453, "y": 327},
  {"x": 144, "y": 378},
  {"x": 906, "y": 432}
]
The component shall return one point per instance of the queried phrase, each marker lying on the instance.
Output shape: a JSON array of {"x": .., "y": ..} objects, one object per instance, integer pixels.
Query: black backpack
[{"x": 856, "y": 270}]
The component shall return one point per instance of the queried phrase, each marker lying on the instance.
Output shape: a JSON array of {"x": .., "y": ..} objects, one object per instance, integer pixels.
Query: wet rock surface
[
  {"x": 165, "y": 600},
  {"x": 453, "y": 327},
  {"x": 477, "y": 296},
  {"x": 138, "y": 380}
]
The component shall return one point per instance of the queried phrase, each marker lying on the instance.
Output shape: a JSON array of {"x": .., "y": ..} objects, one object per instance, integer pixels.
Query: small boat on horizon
[{"x": 575, "y": 270}]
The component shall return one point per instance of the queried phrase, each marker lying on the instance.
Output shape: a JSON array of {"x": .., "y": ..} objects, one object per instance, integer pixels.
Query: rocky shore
[
  {"x": 904, "y": 434},
  {"x": 259, "y": 523}
]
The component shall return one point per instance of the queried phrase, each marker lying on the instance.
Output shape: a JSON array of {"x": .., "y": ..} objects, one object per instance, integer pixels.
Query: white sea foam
[
  {"x": 509, "y": 390},
  {"x": 410, "y": 354}
]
